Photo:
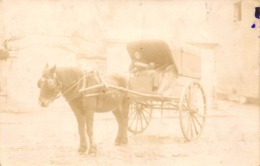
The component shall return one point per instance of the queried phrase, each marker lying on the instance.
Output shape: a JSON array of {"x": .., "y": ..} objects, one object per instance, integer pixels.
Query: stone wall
[{"x": 59, "y": 32}]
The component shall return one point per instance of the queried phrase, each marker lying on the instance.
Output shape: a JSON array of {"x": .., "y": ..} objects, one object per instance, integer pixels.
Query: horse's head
[{"x": 49, "y": 86}]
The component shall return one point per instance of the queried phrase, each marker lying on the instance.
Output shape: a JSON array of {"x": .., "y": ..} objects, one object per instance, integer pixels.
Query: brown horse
[{"x": 67, "y": 81}]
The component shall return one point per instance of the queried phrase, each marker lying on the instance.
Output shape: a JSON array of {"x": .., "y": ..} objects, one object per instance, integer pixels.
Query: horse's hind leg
[
  {"x": 119, "y": 117},
  {"x": 124, "y": 111}
]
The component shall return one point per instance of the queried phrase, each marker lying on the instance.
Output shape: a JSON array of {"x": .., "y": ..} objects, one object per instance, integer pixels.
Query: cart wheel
[
  {"x": 193, "y": 111},
  {"x": 139, "y": 117}
]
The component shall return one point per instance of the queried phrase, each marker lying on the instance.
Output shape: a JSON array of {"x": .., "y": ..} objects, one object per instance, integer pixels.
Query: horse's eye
[{"x": 40, "y": 82}]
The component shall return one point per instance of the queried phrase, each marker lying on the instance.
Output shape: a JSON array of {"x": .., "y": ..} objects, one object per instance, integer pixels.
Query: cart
[{"x": 162, "y": 87}]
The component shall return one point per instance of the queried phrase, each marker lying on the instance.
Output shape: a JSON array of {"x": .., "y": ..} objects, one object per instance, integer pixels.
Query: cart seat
[{"x": 143, "y": 81}]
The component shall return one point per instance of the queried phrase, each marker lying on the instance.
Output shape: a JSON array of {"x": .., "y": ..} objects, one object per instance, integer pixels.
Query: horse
[{"x": 68, "y": 82}]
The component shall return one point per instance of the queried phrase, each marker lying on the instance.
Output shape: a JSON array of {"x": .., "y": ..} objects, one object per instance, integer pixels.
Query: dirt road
[{"x": 50, "y": 137}]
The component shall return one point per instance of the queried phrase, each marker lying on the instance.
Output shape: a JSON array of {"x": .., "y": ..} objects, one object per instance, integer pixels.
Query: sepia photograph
[{"x": 129, "y": 82}]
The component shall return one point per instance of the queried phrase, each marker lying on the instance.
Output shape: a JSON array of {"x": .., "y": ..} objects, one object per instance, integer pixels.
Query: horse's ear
[
  {"x": 45, "y": 68},
  {"x": 53, "y": 69}
]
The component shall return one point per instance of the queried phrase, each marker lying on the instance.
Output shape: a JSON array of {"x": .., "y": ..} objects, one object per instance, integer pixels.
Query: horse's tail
[{"x": 122, "y": 79}]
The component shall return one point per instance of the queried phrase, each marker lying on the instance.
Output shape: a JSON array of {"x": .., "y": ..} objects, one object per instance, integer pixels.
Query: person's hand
[
  {"x": 135, "y": 70},
  {"x": 151, "y": 65}
]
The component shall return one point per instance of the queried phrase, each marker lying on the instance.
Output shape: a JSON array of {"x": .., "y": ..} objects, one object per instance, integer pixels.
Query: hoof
[
  {"x": 82, "y": 149},
  {"x": 124, "y": 144},
  {"x": 117, "y": 143},
  {"x": 93, "y": 150},
  {"x": 121, "y": 142},
  {"x": 124, "y": 141}
]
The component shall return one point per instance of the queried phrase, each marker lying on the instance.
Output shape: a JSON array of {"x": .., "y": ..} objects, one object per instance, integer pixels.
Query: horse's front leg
[
  {"x": 90, "y": 121},
  {"x": 81, "y": 126},
  {"x": 82, "y": 132}
]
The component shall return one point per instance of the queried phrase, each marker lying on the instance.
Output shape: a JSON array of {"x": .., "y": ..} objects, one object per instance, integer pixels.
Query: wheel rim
[
  {"x": 139, "y": 117},
  {"x": 193, "y": 111}
]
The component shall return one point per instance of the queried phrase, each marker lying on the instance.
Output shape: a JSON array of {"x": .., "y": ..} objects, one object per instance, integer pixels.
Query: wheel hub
[{"x": 194, "y": 110}]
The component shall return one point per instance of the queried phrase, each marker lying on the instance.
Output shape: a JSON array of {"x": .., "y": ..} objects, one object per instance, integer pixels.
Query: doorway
[{"x": 207, "y": 53}]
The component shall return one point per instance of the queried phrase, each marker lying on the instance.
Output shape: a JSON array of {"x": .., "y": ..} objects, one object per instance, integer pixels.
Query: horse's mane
[{"x": 69, "y": 75}]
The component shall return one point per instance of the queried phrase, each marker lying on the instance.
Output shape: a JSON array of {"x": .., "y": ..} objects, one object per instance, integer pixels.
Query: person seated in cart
[
  {"x": 139, "y": 65},
  {"x": 153, "y": 66}
]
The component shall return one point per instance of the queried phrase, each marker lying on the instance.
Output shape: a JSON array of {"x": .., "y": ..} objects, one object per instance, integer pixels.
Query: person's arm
[{"x": 141, "y": 65}]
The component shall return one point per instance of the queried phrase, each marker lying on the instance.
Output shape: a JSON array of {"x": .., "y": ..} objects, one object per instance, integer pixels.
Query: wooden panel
[{"x": 141, "y": 83}]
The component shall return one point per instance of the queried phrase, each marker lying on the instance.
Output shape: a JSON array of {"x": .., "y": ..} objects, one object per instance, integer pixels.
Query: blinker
[
  {"x": 40, "y": 82},
  {"x": 51, "y": 83}
]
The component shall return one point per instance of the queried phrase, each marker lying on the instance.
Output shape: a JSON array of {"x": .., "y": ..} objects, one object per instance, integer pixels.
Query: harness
[
  {"x": 82, "y": 83},
  {"x": 102, "y": 92}
]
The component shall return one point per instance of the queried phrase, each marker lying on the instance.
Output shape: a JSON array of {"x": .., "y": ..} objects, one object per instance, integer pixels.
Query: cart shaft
[{"x": 132, "y": 93}]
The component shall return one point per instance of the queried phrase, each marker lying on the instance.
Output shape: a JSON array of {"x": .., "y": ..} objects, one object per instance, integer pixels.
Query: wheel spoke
[
  {"x": 191, "y": 128},
  {"x": 197, "y": 121},
  {"x": 188, "y": 126},
  {"x": 196, "y": 93},
  {"x": 202, "y": 116},
  {"x": 192, "y": 117},
  {"x": 141, "y": 119},
  {"x": 133, "y": 119},
  {"x": 185, "y": 106},
  {"x": 131, "y": 113},
  {"x": 133, "y": 109},
  {"x": 185, "y": 109},
  {"x": 188, "y": 101},
  {"x": 190, "y": 94},
  {"x": 137, "y": 122},
  {"x": 145, "y": 118},
  {"x": 146, "y": 111}
]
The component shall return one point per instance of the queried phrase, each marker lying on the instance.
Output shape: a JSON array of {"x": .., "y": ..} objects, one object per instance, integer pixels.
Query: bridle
[{"x": 51, "y": 82}]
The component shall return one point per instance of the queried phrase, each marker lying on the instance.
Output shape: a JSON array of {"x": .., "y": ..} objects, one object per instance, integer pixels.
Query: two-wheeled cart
[{"x": 161, "y": 87}]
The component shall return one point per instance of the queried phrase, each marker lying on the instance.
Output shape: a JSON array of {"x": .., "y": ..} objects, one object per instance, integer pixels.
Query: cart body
[{"x": 168, "y": 89}]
